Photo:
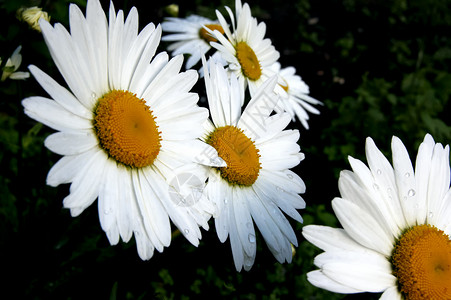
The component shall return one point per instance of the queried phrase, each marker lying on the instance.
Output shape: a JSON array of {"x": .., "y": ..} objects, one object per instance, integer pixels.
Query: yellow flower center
[
  {"x": 248, "y": 61},
  {"x": 126, "y": 129},
  {"x": 208, "y": 37},
  {"x": 240, "y": 154},
  {"x": 422, "y": 263}
]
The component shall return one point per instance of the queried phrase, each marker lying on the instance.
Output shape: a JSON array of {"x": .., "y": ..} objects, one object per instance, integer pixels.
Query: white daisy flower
[
  {"x": 245, "y": 50},
  {"x": 127, "y": 128},
  {"x": 396, "y": 226},
  {"x": 190, "y": 36},
  {"x": 11, "y": 66},
  {"x": 293, "y": 92},
  {"x": 257, "y": 184}
]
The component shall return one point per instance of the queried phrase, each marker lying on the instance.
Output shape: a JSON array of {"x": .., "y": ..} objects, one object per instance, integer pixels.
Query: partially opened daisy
[
  {"x": 257, "y": 185},
  {"x": 396, "y": 226},
  {"x": 190, "y": 36},
  {"x": 127, "y": 128},
  {"x": 247, "y": 53},
  {"x": 11, "y": 66},
  {"x": 32, "y": 15},
  {"x": 294, "y": 94}
]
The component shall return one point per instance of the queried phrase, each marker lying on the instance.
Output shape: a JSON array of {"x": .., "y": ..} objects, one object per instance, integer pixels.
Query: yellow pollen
[
  {"x": 208, "y": 37},
  {"x": 421, "y": 262},
  {"x": 240, "y": 154},
  {"x": 248, "y": 61},
  {"x": 126, "y": 129}
]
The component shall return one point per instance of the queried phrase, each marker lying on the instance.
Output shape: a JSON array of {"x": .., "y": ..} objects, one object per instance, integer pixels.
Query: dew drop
[
  {"x": 379, "y": 171},
  {"x": 216, "y": 161},
  {"x": 279, "y": 189},
  {"x": 251, "y": 238},
  {"x": 375, "y": 187},
  {"x": 249, "y": 225},
  {"x": 407, "y": 175},
  {"x": 430, "y": 215},
  {"x": 186, "y": 231},
  {"x": 94, "y": 96},
  {"x": 290, "y": 176},
  {"x": 226, "y": 201},
  {"x": 411, "y": 193}
]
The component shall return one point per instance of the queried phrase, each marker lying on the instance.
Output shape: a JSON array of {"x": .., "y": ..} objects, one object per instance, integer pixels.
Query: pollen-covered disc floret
[
  {"x": 206, "y": 36},
  {"x": 250, "y": 65},
  {"x": 240, "y": 154},
  {"x": 126, "y": 129},
  {"x": 422, "y": 263}
]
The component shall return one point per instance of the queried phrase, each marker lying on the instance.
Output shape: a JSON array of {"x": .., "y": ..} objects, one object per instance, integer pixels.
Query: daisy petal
[
  {"x": 331, "y": 239},
  {"x": 370, "y": 273},
  {"x": 85, "y": 186},
  {"x": 384, "y": 178},
  {"x": 361, "y": 226},
  {"x": 391, "y": 293},
  {"x": 53, "y": 115},
  {"x": 319, "y": 279},
  {"x": 439, "y": 181},
  {"x": 71, "y": 143},
  {"x": 405, "y": 180}
]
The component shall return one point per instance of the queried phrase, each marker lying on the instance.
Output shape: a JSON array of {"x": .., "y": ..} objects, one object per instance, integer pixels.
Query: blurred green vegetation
[{"x": 381, "y": 68}]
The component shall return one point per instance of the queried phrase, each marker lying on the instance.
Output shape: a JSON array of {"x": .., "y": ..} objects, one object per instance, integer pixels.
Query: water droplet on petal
[
  {"x": 216, "y": 161},
  {"x": 376, "y": 187},
  {"x": 407, "y": 175},
  {"x": 411, "y": 193},
  {"x": 279, "y": 189},
  {"x": 225, "y": 200},
  {"x": 94, "y": 96},
  {"x": 249, "y": 225},
  {"x": 290, "y": 176},
  {"x": 389, "y": 192},
  {"x": 431, "y": 214},
  {"x": 251, "y": 238},
  {"x": 379, "y": 171},
  {"x": 186, "y": 231}
]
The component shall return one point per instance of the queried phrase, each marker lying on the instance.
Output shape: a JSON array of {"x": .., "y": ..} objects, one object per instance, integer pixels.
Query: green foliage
[{"x": 381, "y": 68}]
